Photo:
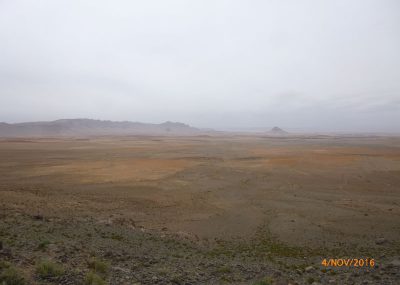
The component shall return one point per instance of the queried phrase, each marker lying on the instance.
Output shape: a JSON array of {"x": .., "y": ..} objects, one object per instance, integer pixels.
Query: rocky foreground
[{"x": 47, "y": 250}]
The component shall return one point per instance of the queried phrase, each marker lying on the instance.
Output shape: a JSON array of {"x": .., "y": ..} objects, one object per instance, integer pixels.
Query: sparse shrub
[
  {"x": 310, "y": 280},
  {"x": 163, "y": 271},
  {"x": 115, "y": 236},
  {"x": 43, "y": 244},
  {"x": 49, "y": 269},
  {"x": 226, "y": 279},
  {"x": 4, "y": 264},
  {"x": 176, "y": 279},
  {"x": 224, "y": 269},
  {"x": 265, "y": 281},
  {"x": 94, "y": 279},
  {"x": 12, "y": 276},
  {"x": 98, "y": 266}
]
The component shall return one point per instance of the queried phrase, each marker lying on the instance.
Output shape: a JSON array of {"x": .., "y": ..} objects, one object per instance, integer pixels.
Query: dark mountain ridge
[{"x": 90, "y": 127}]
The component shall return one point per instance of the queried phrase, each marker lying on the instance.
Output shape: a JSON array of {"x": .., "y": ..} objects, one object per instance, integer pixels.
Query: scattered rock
[
  {"x": 380, "y": 241},
  {"x": 280, "y": 282},
  {"x": 277, "y": 273},
  {"x": 108, "y": 253},
  {"x": 38, "y": 217},
  {"x": 394, "y": 263},
  {"x": 309, "y": 269},
  {"x": 6, "y": 252}
]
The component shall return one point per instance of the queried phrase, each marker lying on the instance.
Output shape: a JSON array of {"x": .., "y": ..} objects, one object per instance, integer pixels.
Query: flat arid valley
[
  {"x": 206, "y": 142},
  {"x": 222, "y": 209}
]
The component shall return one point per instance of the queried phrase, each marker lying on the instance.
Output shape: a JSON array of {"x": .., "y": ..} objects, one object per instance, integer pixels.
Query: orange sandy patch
[
  {"x": 115, "y": 170},
  {"x": 280, "y": 157}
]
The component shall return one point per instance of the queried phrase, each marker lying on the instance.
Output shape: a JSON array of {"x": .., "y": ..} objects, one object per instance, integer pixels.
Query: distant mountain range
[{"x": 89, "y": 127}]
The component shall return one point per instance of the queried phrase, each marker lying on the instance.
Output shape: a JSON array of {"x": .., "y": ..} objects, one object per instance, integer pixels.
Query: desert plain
[{"x": 222, "y": 209}]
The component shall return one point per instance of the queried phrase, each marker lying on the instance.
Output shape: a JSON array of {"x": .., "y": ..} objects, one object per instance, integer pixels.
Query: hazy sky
[{"x": 307, "y": 65}]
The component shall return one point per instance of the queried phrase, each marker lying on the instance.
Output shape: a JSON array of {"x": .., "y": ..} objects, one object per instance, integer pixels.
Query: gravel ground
[{"x": 139, "y": 256}]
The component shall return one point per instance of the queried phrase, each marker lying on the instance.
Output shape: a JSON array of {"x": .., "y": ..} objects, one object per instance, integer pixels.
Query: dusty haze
[{"x": 301, "y": 65}]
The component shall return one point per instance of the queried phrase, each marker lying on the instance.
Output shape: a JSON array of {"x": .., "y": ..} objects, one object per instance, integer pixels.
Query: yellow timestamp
[{"x": 348, "y": 262}]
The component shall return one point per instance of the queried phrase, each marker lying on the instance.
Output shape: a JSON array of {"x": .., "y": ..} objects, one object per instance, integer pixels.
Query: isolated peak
[{"x": 277, "y": 131}]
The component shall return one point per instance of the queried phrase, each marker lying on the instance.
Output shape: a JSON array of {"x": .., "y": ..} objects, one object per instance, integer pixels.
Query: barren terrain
[{"x": 202, "y": 209}]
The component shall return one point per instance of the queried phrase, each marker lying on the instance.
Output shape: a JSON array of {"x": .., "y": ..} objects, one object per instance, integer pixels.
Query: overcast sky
[{"x": 302, "y": 65}]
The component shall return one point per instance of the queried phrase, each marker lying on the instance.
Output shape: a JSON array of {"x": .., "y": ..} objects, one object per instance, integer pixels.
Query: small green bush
[
  {"x": 266, "y": 281},
  {"x": 224, "y": 269},
  {"x": 12, "y": 276},
  {"x": 4, "y": 264},
  {"x": 115, "y": 236},
  {"x": 49, "y": 269},
  {"x": 94, "y": 279},
  {"x": 43, "y": 244},
  {"x": 98, "y": 266}
]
